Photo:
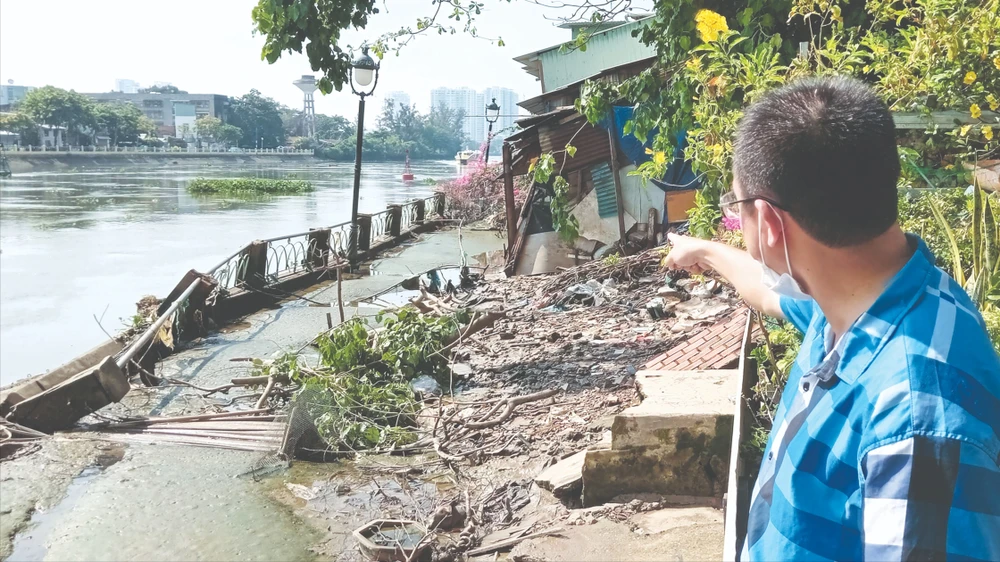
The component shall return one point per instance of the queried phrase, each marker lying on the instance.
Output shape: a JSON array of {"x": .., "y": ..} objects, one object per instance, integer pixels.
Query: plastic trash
[{"x": 425, "y": 385}]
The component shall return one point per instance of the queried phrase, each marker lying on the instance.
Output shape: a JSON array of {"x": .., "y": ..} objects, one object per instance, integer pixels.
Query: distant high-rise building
[
  {"x": 468, "y": 101},
  {"x": 126, "y": 86},
  {"x": 11, "y": 94},
  {"x": 507, "y": 100},
  {"x": 399, "y": 99},
  {"x": 170, "y": 112}
]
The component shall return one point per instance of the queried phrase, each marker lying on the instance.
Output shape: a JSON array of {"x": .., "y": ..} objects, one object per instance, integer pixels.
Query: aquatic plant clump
[{"x": 248, "y": 186}]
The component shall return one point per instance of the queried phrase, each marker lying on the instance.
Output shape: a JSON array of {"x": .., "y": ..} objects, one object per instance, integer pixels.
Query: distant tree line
[
  {"x": 400, "y": 128},
  {"x": 83, "y": 118},
  {"x": 252, "y": 120}
]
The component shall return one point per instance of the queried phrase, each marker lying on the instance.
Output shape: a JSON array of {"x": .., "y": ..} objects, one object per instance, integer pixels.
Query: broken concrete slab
[
  {"x": 565, "y": 477},
  {"x": 60, "y": 406},
  {"x": 663, "y": 520},
  {"x": 40, "y": 383}
]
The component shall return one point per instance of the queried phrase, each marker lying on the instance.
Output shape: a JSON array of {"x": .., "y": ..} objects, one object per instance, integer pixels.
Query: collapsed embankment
[{"x": 25, "y": 162}]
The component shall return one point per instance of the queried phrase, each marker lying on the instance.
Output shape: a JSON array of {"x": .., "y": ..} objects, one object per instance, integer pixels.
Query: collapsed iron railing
[{"x": 263, "y": 264}]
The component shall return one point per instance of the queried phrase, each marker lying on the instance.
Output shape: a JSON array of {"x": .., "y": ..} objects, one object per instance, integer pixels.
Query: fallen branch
[
  {"x": 511, "y": 542},
  {"x": 259, "y": 381},
  {"x": 444, "y": 454},
  {"x": 512, "y": 403},
  {"x": 267, "y": 392}
]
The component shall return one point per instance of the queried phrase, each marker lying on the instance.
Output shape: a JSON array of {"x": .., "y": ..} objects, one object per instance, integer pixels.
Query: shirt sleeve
[
  {"x": 931, "y": 498},
  {"x": 799, "y": 312}
]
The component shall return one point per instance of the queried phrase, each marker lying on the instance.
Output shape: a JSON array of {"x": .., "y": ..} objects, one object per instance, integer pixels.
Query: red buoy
[{"x": 407, "y": 174}]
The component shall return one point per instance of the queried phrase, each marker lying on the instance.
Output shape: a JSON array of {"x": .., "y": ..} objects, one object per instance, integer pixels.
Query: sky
[{"x": 208, "y": 46}]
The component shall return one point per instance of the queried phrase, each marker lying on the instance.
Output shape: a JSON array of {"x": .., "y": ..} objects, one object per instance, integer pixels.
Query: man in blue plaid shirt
[{"x": 885, "y": 444}]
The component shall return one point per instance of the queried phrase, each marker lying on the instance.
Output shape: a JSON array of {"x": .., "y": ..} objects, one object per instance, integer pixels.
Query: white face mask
[{"x": 783, "y": 284}]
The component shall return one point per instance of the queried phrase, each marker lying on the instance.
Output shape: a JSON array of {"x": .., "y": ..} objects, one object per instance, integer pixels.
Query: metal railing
[
  {"x": 381, "y": 224},
  {"x": 306, "y": 251},
  {"x": 265, "y": 262},
  {"x": 160, "y": 149}
]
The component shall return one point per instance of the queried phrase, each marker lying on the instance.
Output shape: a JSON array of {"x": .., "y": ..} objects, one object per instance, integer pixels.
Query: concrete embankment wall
[{"x": 23, "y": 162}]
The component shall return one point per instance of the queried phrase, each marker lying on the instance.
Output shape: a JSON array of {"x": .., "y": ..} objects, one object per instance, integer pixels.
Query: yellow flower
[
  {"x": 996, "y": 62},
  {"x": 710, "y": 24},
  {"x": 975, "y": 111},
  {"x": 992, "y": 100},
  {"x": 964, "y": 130},
  {"x": 660, "y": 158},
  {"x": 988, "y": 132},
  {"x": 970, "y": 77},
  {"x": 949, "y": 167}
]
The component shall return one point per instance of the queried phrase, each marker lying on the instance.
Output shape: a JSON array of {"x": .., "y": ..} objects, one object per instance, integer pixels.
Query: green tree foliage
[
  {"x": 122, "y": 122},
  {"x": 333, "y": 127},
  {"x": 257, "y": 117},
  {"x": 64, "y": 108},
  {"x": 315, "y": 26},
  {"x": 214, "y": 128},
  {"x": 168, "y": 89},
  {"x": 435, "y": 135},
  {"x": 23, "y": 125},
  {"x": 718, "y": 57}
]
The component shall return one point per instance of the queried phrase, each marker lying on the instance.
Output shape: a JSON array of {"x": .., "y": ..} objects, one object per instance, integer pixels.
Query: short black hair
[{"x": 825, "y": 149}]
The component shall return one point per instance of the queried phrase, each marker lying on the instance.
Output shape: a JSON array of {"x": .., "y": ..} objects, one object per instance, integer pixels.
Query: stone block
[
  {"x": 675, "y": 443},
  {"x": 674, "y": 401},
  {"x": 564, "y": 477}
]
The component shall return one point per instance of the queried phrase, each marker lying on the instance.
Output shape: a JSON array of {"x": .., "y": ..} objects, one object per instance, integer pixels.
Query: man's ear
[{"x": 771, "y": 227}]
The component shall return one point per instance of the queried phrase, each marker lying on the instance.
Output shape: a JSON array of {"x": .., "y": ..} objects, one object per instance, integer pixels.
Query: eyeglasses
[{"x": 729, "y": 204}]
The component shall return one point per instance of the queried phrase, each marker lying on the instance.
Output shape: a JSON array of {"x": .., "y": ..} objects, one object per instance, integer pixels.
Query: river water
[{"x": 75, "y": 246}]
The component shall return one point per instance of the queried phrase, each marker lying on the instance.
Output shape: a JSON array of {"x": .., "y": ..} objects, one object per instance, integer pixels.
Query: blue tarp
[{"x": 679, "y": 174}]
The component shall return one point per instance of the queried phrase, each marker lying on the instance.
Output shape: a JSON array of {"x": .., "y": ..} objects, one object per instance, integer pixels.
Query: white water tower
[{"x": 308, "y": 85}]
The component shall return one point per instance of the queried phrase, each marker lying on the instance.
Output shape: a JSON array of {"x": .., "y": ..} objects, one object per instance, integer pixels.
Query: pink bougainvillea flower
[{"x": 731, "y": 223}]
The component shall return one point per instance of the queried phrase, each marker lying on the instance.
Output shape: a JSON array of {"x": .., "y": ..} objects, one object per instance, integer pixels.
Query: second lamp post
[
  {"x": 492, "y": 114},
  {"x": 364, "y": 72}
]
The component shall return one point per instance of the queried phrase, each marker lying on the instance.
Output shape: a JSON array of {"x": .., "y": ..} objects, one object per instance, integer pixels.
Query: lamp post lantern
[
  {"x": 364, "y": 72},
  {"x": 492, "y": 114}
]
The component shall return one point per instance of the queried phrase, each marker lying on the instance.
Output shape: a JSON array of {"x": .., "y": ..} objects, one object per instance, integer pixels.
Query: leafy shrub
[{"x": 360, "y": 397}]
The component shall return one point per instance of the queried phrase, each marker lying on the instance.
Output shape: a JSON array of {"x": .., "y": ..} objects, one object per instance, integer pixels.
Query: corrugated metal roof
[
  {"x": 606, "y": 49},
  {"x": 604, "y": 186}
]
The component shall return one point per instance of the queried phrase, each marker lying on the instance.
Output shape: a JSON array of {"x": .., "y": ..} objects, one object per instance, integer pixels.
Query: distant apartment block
[
  {"x": 473, "y": 104},
  {"x": 126, "y": 86},
  {"x": 171, "y": 112},
  {"x": 11, "y": 94}
]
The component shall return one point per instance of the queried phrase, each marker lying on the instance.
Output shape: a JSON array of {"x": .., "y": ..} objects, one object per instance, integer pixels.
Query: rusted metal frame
[{"x": 508, "y": 192}]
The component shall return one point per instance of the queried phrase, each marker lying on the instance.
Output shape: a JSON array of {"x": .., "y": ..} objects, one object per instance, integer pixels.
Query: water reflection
[{"x": 90, "y": 243}]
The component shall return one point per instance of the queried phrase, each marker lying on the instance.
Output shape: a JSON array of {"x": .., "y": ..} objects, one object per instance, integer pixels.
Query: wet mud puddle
[{"x": 31, "y": 544}]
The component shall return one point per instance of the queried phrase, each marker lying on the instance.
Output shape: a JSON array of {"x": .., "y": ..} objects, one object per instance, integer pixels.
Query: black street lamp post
[
  {"x": 364, "y": 71},
  {"x": 492, "y": 114}
]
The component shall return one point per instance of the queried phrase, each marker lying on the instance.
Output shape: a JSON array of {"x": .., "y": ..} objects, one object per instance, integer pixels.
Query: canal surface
[{"x": 78, "y": 247}]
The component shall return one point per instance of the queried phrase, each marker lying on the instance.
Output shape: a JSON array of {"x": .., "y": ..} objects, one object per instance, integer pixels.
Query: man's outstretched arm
[{"x": 735, "y": 265}]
